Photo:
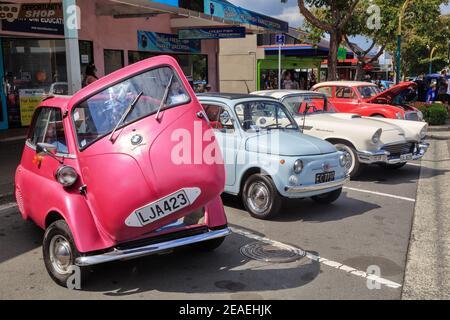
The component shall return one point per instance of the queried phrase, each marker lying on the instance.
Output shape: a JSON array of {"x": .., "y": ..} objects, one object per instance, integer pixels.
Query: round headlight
[
  {"x": 376, "y": 137},
  {"x": 343, "y": 160},
  {"x": 66, "y": 175},
  {"x": 298, "y": 166},
  {"x": 423, "y": 133}
]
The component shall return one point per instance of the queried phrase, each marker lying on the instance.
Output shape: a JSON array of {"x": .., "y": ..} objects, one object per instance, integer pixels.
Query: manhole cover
[{"x": 270, "y": 253}]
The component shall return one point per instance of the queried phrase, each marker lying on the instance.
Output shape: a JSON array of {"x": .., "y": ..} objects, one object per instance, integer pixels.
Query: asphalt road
[{"x": 329, "y": 250}]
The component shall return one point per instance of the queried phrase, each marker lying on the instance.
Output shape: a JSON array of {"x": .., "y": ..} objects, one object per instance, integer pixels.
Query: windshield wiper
[
  {"x": 164, "y": 99},
  {"x": 125, "y": 115}
]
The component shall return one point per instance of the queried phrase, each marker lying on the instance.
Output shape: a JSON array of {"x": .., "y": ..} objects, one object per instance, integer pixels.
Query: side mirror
[
  {"x": 224, "y": 118},
  {"x": 46, "y": 149}
]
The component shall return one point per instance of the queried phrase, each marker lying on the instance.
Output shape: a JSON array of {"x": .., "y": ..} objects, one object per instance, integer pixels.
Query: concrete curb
[{"x": 427, "y": 274}]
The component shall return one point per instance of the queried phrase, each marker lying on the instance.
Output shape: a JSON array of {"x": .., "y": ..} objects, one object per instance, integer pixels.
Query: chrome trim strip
[
  {"x": 150, "y": 249},
  {"x": 317, "y": 187},
  {"x": 59, "y": 155},
  {"x": 368, "y": 157}
]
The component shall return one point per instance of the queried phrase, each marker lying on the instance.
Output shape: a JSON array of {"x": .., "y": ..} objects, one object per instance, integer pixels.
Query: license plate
[
  {"x": 164, "y": 207},
  {"x": 325, "y": 177},
  {"x": 406, "y": 157}
]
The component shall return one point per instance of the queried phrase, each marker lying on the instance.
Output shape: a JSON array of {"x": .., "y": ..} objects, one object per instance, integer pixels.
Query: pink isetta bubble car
[{"x": 98, "y": 174}]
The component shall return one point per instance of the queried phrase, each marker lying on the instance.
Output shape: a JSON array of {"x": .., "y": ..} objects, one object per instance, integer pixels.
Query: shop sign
[
  {"x": 172, "y": 3},
  {"x": 45, "y": 18},
  {"x": 163, "y": 42},
  {"x": 226, "y": 10},
  {"x": 29, "y": 99},
  {"x": 212, "y": 33}
]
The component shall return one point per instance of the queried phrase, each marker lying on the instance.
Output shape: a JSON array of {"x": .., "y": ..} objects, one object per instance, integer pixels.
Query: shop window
[
  {"x": 32, "y": 67},
  {"x": 113, "y": 60},
  {"x": 86, "y": 54},
  {"x": 136, "y": 56}
]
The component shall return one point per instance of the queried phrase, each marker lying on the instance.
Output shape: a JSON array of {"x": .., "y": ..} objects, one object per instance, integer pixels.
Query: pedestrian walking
[
  {"x": 431, "y": 94},
  {"x": 442, "y": 87}
]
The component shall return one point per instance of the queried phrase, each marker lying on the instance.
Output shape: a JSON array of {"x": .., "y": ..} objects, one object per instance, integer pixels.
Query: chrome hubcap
[
  {"x": 60, "y": 254},
  {"x": 348, "y": 156},
  {"x": 258, "y": 197}
]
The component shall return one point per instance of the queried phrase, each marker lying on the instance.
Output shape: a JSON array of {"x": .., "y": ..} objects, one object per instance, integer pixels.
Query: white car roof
[{"x": 279, "y": 94}]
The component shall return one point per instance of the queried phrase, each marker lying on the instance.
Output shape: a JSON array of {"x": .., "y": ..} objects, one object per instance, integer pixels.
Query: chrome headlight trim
[
  {"x": 298, "y": 166},
  {"x": 377, "y": 136},
  {"x": 66, "y": 175}
]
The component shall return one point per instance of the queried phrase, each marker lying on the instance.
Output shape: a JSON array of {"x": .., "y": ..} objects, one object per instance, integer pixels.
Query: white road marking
[
  {"x": 381, "y": 194},
  {"x": 329, "y": 263},
  {"x": 8, "y": 206}
]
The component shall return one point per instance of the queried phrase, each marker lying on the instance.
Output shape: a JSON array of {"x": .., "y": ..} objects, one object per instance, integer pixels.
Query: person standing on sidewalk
[
  {"x": 442, "y": 87},
  {"x": 431, "y": 94}
]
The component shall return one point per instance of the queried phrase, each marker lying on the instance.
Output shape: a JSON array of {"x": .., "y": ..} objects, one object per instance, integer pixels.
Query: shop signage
[
  {"x": 163, "y": 42},
  {"x": 226, "y": 10},
  {"x": 29, "y": 99},
  {"x": 45, "y": 18},
  {"x": 212, "y": 33},
  {"x": 173, "y": 3},
  {"x": 342, "y": 54}
]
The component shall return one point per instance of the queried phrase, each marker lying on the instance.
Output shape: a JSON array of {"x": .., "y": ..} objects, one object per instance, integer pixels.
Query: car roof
[
  {"x": 345, "y": 83},
  {"x": 232, "y": 98},
  {"x": 228, "y": 96},
  {"x": 278, "y": 94}
]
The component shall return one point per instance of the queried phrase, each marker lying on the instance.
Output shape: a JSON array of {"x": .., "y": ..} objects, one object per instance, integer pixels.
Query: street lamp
[{"x": 399, "y": 40}]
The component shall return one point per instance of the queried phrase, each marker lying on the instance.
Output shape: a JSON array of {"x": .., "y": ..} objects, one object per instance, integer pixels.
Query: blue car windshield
[{"x": 264, "y": 115}]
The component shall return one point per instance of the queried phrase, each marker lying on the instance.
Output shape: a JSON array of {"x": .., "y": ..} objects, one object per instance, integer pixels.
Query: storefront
[
  {"x": 301, "y": 61},
  {"x": 112, "y": 35}
]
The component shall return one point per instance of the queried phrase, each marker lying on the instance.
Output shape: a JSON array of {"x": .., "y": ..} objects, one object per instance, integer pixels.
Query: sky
[{"x": 289, "y": 12}]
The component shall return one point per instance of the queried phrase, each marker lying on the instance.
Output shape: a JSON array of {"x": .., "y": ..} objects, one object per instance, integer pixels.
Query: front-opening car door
[{"x": 141, "y": 152}]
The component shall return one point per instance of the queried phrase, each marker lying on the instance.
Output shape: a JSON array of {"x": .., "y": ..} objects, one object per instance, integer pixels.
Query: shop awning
[{"x": 188, "y": 14}]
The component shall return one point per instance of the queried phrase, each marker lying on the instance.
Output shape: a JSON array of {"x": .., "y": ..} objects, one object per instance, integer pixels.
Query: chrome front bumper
[
  {"x": 149, "y": 249},
  {"x": 317, "y": 187},
  {"x": 382, "y": 156}
]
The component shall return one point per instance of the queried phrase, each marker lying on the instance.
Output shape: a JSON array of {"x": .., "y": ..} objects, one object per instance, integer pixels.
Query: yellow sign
[{"x": 29, "y": 100}]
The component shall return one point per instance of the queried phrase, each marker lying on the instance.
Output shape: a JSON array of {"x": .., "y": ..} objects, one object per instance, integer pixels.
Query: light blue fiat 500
[{"x": 267, "y": 158}]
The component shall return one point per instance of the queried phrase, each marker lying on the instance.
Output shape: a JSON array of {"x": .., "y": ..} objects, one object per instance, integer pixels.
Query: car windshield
[
  {"x": 367, "y": 92},
  {"x": 264, "y": 115},
  {"x": 100, "y": 114},
  {"x": 308, "y": 103}
]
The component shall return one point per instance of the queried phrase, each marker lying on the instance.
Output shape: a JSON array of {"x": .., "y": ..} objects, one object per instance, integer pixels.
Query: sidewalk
[
  {"x": 13, "y": 134},
  {"x": 427, "y": 273}
]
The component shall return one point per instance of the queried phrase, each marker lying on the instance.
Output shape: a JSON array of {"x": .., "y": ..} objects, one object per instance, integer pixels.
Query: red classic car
[{"x": 366, "y": 99}]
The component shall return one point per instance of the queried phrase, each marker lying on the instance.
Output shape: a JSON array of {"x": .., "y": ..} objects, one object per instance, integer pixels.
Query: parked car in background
[
  {"x": 267, "y": 158},
  {"x": 98, "y": 174},
  {"x": 364, "y": 140},
  {"x": 366, "y": 99},
  {"x": 58, "y": 88}
]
